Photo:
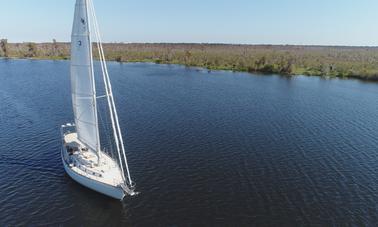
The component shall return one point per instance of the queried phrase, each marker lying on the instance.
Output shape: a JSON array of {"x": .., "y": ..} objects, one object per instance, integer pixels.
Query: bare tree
[
  {"x": 32, "y": 50},
  {"x": 4, "y": 47},
  {"x": 55, "y": 48}
]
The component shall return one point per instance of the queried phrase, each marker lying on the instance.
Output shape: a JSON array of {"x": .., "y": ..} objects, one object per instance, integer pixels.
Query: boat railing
[{"x": 64, "y": 129}]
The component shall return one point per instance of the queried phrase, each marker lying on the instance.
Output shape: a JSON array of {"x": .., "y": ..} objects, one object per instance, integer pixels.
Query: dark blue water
[{"x": 214, "y": 149}]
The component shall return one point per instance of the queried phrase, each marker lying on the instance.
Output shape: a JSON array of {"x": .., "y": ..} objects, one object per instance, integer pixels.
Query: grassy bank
[{"x": 344, "y": 62}]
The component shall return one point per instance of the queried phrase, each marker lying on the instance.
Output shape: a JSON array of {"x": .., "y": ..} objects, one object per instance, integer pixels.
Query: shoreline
[
  {"x": 362, "y": 79},
  {"x": 324, "y": 61}
]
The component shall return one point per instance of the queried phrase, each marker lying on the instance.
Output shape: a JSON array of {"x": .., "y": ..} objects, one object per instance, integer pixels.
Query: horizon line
[{"x": 208, "y": 43}]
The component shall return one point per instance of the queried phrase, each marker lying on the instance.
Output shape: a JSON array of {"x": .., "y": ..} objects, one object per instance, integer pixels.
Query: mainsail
[{"x": 82, "y": 79}]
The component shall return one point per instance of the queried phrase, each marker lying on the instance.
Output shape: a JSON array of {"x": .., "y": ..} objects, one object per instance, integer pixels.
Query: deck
[{"x": 84, "y": 162}]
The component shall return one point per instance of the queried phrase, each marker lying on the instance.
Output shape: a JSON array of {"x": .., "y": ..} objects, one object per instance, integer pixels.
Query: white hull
[
  {"x": 109, "y": 190},
  {"x": 81, "y": 164}
]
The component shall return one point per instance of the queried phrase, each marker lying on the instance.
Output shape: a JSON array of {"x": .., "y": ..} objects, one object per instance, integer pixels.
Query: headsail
[{"x": 82, "y": 79}]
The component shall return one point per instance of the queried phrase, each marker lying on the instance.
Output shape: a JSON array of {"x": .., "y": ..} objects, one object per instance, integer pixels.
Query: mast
[{"x": 82, "y": 79}]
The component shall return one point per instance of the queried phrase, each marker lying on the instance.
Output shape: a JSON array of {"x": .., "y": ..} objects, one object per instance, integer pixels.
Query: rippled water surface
[{"x": 216, "y": 148}]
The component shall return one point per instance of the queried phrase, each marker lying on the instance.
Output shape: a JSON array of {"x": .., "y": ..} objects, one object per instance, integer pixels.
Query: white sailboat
[{"x": 82, "y": 156}]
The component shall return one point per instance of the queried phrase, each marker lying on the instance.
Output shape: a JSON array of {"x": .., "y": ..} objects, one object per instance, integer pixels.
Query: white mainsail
[{"x": 82, "y": 79}]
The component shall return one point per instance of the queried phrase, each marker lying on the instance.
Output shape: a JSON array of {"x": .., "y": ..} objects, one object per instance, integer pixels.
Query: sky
[{"x": 300, "y": 22}]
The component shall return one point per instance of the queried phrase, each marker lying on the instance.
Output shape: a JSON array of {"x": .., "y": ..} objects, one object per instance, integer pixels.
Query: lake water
[{"x": 205, "y": 148}]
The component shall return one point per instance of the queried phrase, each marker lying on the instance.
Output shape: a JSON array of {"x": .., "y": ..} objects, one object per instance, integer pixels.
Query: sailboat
[{"x": 83, "y": 158}]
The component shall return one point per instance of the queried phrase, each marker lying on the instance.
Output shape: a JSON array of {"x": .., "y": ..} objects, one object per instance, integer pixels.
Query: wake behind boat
[{"x": 83, "y": 158}]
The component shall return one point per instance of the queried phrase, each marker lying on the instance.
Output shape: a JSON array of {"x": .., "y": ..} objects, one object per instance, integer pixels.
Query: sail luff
[{"x": 93, "y": 83}]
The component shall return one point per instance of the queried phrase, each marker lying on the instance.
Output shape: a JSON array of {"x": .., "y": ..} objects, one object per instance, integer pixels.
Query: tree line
[{"x": 329, "y": 61}]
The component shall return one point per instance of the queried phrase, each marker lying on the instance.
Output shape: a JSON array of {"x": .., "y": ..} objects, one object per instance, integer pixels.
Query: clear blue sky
[{"x": 318, "y": 22}]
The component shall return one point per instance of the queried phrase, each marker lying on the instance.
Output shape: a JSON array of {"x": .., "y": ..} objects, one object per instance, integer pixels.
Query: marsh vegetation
[{"x": 330, "y": 61}]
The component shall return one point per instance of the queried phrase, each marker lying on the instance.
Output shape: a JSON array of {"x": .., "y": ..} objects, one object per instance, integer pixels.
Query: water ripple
[{"x": 205, "y": 149}]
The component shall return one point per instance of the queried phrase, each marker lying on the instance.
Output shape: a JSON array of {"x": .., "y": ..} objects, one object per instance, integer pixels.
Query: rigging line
[
  {"x": 101, "y": 96},
  {"x": 109, "y": 134},
  {"x": 112, "y": 99},
  {"x": 103, "y": 65},
  {"x": 104, "y": 120},
  {"x": 105, "y": 124},
  {"x": 106, "y": 87},
  {"x": 102, "y": 68}
]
